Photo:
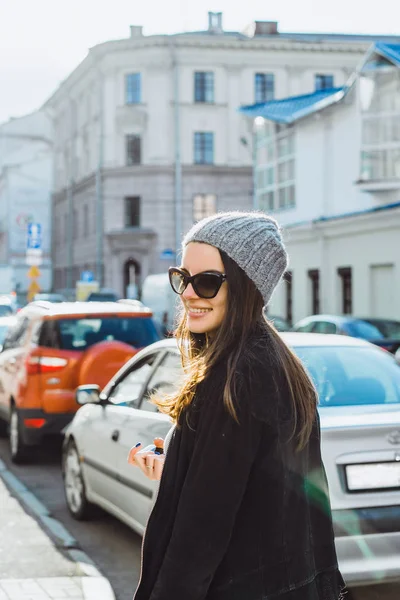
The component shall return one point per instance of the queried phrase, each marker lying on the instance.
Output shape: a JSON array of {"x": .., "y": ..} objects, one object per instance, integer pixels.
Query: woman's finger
[{"x": 132, "y": 452}]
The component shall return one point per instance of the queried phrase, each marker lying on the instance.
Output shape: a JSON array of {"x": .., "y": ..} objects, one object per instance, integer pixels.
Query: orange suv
[{"x": 53, "y": 348}]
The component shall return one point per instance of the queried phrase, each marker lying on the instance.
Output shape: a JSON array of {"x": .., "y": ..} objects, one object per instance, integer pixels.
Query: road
[{"x": 113, "y": 546}]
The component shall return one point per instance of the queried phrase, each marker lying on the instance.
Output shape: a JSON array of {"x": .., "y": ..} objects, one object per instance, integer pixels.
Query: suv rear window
[{"x": 80, "y": 334}]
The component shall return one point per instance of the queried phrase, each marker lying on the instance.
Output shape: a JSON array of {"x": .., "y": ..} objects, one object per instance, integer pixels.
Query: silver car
[{"x": 359, "y": 389}]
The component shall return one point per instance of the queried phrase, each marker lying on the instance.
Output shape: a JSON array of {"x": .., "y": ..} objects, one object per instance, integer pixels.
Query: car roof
[
  {"x": 379, "y": 320},
  {"x": 333, "y": 318},
  {"x": 75, "y": 309},
  {"x": 292, "y": 338}
]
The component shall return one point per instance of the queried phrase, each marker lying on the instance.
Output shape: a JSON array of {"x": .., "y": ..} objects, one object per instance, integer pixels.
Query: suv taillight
[{"x": 44, "y": 364}]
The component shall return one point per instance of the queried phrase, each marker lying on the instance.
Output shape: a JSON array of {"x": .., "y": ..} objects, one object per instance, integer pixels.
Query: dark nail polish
[{"x": 138, "y": 444}]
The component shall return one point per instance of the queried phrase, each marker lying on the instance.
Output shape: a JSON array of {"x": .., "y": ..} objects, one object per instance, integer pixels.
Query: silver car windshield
[{"x": 347, "y": 376}]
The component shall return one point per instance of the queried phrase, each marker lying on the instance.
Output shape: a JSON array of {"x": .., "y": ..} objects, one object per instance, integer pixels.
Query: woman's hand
[{"x": 150, "y": 463}]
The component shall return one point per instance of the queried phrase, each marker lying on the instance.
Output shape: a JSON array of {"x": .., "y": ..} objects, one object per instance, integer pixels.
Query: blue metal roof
[
  {"x": 291, "y": 109},
  {"x": 389, "y": 51}
]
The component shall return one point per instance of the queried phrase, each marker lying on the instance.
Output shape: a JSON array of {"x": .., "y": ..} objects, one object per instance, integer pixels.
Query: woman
[{"x": 242, "y": 511}]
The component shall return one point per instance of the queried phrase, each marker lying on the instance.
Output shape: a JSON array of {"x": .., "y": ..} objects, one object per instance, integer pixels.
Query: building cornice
[
  {"x": 342, "y": 226},
  {"x": 98, "y": 53},
  {"x": 150, "y": 171}
]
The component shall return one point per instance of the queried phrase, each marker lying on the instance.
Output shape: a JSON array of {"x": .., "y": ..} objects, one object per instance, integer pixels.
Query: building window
[
  {"x": 347, "y": 292},
  {"x": 132, "y": 211},
  {"x": 204, "y": 205},
  {"x": 133, "y": 88},
  {"x": 204, "y": 148},
  {"x": 313, "y": 275},
  {"x": 380, "y": 104},
  {"x": 133, "y": 149},
  {"x": 323, "y": 82},
  {"x": 275, "y": 167},
  {"x": 264, "y": 87},
  {"x": 288, "y": 279},
  {"x": 204, "y": 86}
]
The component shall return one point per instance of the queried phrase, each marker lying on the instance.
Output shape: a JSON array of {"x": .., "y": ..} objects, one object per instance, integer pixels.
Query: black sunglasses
[{"x": 206, "y": 284}]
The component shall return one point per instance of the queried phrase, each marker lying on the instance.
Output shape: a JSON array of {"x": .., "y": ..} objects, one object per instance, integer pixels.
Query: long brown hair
[{"x": 199, "y": 354}]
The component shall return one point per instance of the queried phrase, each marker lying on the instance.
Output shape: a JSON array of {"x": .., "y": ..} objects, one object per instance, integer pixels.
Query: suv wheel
[
  {"x": 74, "y": 485},
  {"x": 18, "y": 449}
]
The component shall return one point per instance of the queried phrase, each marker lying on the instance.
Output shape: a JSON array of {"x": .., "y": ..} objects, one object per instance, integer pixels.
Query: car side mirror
[{"x": 88, "y": 394}]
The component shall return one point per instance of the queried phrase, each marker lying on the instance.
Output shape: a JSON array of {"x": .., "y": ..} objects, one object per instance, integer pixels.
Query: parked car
[
  {"x": 280, "y": 323},
  {"x": 7, "y": 306},
  {"x": 5, "y": 324},
  {"x": 359, "y": 390},
  {"x": 397, "y": 356},
  {"x": 345, "y": 325},
  {"x": 53, "y": 348},
  {"x": 103, "y": 295},
  {"x": 390, "y": 330}
]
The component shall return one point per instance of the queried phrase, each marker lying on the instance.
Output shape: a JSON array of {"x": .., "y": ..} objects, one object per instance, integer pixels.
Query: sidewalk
[{"x": 31, "y": 567}]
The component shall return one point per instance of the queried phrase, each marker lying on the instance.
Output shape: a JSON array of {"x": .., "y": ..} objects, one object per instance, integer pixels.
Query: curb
[{"x": 94, "y": 584}]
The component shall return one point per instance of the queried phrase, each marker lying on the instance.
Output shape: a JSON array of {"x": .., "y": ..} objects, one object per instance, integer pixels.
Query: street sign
[
  {"x": 34, "y": 260},
  {"x": 33, "y": 289},
  {"x": 87, "y": 276},
  {"x": 34, "y": 238},
  {"x": 34, "y": 272},
  {"x": 167, "y": 254}
]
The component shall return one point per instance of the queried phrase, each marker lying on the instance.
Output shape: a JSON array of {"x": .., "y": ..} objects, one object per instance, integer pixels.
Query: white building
[
  {"x": 327, "y": 166},
  {"x": 148, "y": 137},
  {"x": 25, "y": 194}
]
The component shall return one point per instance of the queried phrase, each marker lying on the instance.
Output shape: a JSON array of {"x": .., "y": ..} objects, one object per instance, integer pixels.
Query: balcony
[{"x": 378, "y": 185}]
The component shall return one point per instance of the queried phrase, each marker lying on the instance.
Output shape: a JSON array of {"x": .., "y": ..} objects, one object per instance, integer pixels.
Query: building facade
[
  {"x": 148, "y": 138},
  {"x": 25, "y": 195},
  {"x": 339, "y": 202}
]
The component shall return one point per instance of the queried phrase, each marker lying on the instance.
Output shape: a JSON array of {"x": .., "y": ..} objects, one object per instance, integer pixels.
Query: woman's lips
[{"x": 197, "y": 313}]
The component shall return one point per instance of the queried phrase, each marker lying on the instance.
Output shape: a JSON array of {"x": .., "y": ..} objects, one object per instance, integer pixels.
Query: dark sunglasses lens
[
  {"x": 178, "y": 282},
  {"x": 207, "y": 286}
]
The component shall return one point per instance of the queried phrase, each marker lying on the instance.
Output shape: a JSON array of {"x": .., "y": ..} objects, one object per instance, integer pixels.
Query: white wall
[
  {"x": 26, "y": 171},
  {"x": 234, "y": 64},
  {"x": 368, "y": 244},
  {"x": 328, "y": 147}
]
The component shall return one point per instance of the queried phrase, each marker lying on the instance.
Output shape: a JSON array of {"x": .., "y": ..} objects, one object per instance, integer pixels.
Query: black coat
[{"x": 240, "y": 515}]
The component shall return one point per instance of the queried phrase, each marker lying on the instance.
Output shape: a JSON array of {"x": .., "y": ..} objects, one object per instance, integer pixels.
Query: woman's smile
[{"x": 197, "y": 312}]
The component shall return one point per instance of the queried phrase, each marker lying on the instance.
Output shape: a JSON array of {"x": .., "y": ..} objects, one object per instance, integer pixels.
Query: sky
[{"x": 42, "y": 41}]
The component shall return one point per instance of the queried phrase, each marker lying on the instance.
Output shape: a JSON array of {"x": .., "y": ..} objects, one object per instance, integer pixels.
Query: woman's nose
[{"x": 189, "y": 292}]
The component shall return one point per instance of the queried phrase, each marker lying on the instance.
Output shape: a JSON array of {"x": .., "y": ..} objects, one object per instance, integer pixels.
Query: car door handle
[{"x": 115, "y": 436}]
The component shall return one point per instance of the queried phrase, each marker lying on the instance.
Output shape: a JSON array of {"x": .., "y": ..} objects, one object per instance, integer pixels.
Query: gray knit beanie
[{"x": 252, "y": 239}]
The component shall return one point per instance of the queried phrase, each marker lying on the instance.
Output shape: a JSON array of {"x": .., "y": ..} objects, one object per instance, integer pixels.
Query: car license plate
[{"x": 373, "y": 476}]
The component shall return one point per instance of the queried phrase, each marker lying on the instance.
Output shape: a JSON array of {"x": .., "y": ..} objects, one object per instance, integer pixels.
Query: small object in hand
[{"x": 159, "y": 444}]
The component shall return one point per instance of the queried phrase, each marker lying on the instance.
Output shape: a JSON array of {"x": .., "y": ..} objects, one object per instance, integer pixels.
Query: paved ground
[
  {"x": 113, "y": 547},
  {"x": 31, "y": 567}
]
